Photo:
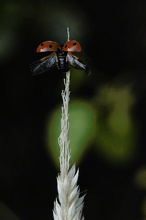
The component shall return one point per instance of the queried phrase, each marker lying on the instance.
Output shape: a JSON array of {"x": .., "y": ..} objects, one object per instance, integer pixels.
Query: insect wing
[
  {"x": 44, "y": 64},
  {"x": 77, "y": 63},
  {"x": 72, "y": 46},
  {"x": 47, "y": 46}
]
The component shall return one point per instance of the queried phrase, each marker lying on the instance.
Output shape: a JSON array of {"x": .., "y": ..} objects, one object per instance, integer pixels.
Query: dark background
[{"x": 113, "y": 35}]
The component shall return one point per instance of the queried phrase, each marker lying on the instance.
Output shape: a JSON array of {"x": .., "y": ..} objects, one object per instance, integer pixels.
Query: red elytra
[
  {"x": 48, "y": 46},
  {"x": 72, "y": 46}
]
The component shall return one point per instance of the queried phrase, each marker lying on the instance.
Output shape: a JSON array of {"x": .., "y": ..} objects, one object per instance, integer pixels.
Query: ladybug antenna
[{"x": 68, "y": 34}]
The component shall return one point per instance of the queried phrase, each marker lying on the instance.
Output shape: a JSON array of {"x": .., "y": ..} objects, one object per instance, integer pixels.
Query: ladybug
[{"x": 60, "y": 56}]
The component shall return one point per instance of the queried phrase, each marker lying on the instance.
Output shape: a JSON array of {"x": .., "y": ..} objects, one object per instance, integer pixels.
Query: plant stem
[{"x": 68, "y": 205}]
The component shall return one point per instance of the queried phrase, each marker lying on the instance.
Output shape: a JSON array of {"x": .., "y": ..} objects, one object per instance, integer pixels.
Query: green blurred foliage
[
  {"x": 143, "y": 208},
  {"x": 140, "y": 183},
  {"x": 140, "y": 178},
  {"x": 116, "y": 133},
  {"x": 106, "y": 121}
]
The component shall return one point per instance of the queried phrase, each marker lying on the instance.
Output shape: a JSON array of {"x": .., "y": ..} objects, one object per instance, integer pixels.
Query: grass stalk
[{"x": 68, "y": 204}]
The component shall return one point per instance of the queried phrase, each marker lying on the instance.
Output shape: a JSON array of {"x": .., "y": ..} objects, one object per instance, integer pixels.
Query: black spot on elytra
[
  {"x": 74, "y": 44},
  {"x": 42, "y": 44},
  {"x": 50, "y": 46}
]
